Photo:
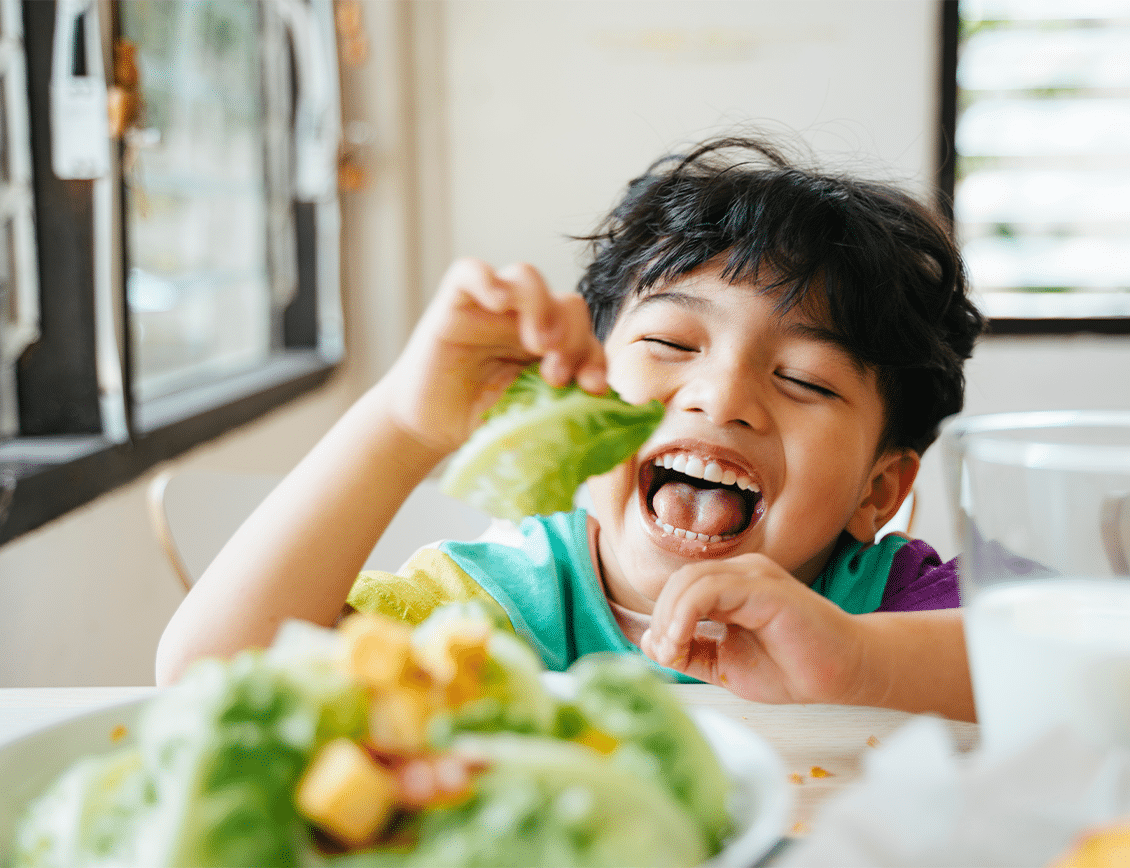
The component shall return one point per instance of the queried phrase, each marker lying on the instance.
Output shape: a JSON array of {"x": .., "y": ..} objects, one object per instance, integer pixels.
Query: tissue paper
[{"x": 921, "y": 804}]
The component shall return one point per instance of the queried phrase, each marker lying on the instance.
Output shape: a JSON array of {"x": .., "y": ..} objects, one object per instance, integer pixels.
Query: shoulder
[
  {"x": 919, "y": 579},
  {"x": 528, "y": 555},
  {"x": 560, "y": 534}
]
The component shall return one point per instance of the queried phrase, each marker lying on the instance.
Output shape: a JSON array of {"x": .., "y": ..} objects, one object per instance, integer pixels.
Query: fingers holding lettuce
[{"x": 483, "y": 327}]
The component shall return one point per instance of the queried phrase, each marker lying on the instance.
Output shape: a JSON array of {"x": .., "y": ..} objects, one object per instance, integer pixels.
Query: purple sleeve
[{"x": 919, "y": 580}]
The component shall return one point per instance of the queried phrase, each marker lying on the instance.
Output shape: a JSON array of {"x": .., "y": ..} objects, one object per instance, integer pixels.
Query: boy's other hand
[
  {"x": 481, "y": 329},
  {"x": 783, "y": 642}
]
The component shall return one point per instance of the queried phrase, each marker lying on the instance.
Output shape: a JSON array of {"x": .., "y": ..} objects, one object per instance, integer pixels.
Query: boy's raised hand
[{"x": 481, "y": 329}]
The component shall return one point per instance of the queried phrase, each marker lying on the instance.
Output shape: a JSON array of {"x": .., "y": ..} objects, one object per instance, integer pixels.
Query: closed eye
[
  {"x": 669, "y": 344},
  {"x": 808, "y": 386}
]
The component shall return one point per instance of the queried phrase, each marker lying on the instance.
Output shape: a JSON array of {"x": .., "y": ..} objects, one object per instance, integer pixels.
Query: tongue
[{"x": 712, "y": 511}]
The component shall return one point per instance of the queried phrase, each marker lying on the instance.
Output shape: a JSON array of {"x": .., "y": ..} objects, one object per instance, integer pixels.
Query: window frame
[
  {"x": 947, "y": 163},
  {"x": 68, "y": 452}
]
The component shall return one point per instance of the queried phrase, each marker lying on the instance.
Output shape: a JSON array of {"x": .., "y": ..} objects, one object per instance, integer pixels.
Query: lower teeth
[{"x": 690, "y": 534}]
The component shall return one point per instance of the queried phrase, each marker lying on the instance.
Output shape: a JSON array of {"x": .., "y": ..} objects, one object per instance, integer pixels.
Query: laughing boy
[{"x": 806, "y": 334}]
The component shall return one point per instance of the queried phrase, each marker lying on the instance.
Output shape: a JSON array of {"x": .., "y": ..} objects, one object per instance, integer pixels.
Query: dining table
[{"x": 822, "y": 747}]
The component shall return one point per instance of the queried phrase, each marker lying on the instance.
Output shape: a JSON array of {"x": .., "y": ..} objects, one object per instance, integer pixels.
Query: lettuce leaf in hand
[{"x": 539, "y": 442}]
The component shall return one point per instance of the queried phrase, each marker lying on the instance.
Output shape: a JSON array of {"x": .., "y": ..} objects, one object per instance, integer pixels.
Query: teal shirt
[
  {"x": 547, "y": 587},
  {"x": 855, "y": 577},
  {"x": 554, "y": 598}
]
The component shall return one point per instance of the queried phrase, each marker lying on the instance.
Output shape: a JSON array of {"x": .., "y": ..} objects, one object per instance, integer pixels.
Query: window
[
  {"x": 1040, "y": 129},
  {"x": 176, "y": 161}
]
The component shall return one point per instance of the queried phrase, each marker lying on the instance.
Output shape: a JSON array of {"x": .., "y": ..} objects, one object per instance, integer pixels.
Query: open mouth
[{"x": 698, "y": 498}]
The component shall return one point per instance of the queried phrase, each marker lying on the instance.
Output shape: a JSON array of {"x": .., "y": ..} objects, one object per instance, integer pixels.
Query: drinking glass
[{"x": 1041, "y": 503}]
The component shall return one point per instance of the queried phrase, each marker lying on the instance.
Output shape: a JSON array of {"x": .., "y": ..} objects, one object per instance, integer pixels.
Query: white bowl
[{"x": 762, "y": 802}]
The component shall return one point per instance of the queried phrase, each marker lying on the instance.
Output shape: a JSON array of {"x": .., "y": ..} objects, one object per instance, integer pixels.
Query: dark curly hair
[{"x": 884, "y": 267}]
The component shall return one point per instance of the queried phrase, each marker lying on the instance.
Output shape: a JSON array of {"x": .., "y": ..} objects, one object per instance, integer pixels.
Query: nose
[{"x": 727, "y": 392}]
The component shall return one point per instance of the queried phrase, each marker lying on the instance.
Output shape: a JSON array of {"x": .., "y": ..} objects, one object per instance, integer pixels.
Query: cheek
[
  {"x": 598, "y": 489},
  {"x": 833, "y": 466},
  {"x": 609, "y": 490},
  {"x": 631, "y": 375}
]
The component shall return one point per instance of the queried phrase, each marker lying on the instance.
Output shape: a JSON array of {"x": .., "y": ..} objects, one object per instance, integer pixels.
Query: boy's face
[{"x": 775, "y": 426}]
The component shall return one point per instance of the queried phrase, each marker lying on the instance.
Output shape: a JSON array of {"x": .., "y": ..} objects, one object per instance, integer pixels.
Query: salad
[{"x": 379, "y": 744}]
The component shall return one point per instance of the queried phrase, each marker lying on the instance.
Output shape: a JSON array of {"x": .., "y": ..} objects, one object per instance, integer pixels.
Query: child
[{"x": 806, "y": 334}]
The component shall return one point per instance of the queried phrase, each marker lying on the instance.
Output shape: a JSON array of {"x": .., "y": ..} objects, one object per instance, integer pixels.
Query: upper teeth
[{"x": 700, "y": 468}]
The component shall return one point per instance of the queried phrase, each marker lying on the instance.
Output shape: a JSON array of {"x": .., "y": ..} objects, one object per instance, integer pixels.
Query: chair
[{"x": 193, "y": 512}]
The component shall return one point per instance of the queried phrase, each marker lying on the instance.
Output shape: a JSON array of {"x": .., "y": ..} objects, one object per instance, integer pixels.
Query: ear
[{"x": 891, "y": 480}]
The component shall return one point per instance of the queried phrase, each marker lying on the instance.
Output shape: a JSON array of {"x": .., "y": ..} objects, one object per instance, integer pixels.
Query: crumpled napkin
[{"x": 920, "y": 804}]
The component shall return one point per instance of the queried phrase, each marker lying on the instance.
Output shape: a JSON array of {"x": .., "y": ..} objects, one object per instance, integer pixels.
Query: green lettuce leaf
[
  {"x": 539, "y": 442},
  {"x": 211, "y": 780}
]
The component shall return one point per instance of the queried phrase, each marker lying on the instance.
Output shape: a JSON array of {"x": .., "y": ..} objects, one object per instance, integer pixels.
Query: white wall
[
  {"x": 83, "y": 600},
  {"x": 495, "y": 129},
  {"x": 552, "y": 107}
]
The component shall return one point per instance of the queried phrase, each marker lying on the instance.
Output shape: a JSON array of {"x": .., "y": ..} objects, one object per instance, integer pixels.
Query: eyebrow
[{"x": 674, "y": 296}]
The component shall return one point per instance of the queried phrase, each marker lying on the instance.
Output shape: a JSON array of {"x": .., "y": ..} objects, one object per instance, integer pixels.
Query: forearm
[
  {"x": 297, "y": 555},
  {"x": 916, "y": 662}
]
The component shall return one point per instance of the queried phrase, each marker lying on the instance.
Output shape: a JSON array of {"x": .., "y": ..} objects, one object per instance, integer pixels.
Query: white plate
[
  {"x": 762, "y": 805},
  {"x": 29, "y": 763},
  {"x": 763, "y": 799}
]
